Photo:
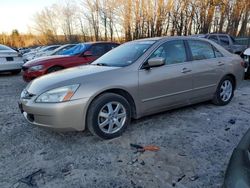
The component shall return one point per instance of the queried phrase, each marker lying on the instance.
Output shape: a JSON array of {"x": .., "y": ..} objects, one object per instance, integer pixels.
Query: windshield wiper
[{"x": 101, "y": 64}]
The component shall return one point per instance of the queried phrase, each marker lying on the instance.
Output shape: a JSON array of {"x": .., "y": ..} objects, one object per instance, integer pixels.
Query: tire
[
  {"x": 15, "y": 72},
  {"x": 54, "y": 69},
  {"x": 221, "y": 98},
  {"x": 247, "y": 74},
  {"x": 115, "y": 122}
]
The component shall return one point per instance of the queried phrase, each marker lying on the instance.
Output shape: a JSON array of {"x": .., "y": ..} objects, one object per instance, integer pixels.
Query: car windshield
[
  {"x": 76, "y": 50},
  {"x": 61, "y": 50},
  {"x": 125, "y": 54},
  {"x": 2, "y": 47}
]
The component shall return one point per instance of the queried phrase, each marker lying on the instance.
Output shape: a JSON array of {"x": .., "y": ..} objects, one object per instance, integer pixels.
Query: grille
[
  {"x": 9, "y": 58},
  {"x": 26, "y": 95}
]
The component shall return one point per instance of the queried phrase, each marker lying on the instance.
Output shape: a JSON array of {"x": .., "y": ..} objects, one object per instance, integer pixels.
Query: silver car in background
[
  {"x": 136, "y": 79},
  {"x": 10, "y": 60},
  {"x": 247, "y": 60}
]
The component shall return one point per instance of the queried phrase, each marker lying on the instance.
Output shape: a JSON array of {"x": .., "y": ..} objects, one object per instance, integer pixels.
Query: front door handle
[
  {"x": 220, "y": 63},
  {"x": 185, "y": 70}
]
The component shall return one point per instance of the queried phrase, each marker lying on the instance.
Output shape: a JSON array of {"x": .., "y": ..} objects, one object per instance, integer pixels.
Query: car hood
[
  {"x": 8, "y": 53},
  {"x": 29, "y": 53},
  {"x": 65, "y": 77},
  {"x": 247, "y": 52},
  {"x": 40, "y": 60},
  {"x": 239, "y": 47}
]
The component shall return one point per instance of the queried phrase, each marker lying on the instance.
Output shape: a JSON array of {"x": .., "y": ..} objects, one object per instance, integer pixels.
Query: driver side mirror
[
  {"x": 154, "y": 62},
  {"x": 87, "y": 53}
]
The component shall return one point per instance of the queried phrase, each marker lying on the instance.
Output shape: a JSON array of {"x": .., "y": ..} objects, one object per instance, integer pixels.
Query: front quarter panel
[{"x": 122, "y": 78}]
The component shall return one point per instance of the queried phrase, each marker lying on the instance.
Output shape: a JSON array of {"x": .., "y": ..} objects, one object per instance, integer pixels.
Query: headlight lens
[
  {"x": 36, "y": 68},
  {"x": 60, "y": 94}
]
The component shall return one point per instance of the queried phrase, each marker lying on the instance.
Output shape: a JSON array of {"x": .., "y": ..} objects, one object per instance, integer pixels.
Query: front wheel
[
  {"x": 108, "y": 116},
  {"x": 224, "y": 92}
]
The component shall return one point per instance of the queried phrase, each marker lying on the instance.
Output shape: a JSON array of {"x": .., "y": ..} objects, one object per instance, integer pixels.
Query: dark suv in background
[{"x": 227, "y": 41}]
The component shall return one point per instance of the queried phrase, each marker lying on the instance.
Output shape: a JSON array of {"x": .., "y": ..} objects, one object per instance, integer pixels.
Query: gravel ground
[{"x": 195, "y": 146}]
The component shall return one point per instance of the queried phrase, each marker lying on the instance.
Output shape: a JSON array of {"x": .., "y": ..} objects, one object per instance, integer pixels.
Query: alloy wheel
[
  {"x": 226, "y": 90},
  {"x": 112, "y": 117}
]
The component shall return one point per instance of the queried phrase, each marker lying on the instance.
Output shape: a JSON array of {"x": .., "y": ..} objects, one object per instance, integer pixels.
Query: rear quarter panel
[
  {"x": 235, "y": 68},
  {"x": 233, "y": 64}
]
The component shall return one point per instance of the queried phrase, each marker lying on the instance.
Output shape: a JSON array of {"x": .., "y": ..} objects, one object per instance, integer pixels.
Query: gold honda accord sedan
[{"x": 136, "y": 79}]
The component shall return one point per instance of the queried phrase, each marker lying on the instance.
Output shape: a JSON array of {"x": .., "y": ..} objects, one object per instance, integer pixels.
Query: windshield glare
[
  {"x": 2, "y": 47},
  {"x": 125, "y": 54},
  {"x": 76, "y": 50},
  {"x": 62, "y": 50}
]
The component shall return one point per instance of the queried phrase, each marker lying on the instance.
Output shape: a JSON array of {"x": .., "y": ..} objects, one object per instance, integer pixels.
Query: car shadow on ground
[{"x": 8, "y": 74}]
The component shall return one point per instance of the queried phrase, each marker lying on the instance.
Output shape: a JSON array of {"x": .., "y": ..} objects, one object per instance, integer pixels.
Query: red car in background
[{"x": 83, "y": 53}]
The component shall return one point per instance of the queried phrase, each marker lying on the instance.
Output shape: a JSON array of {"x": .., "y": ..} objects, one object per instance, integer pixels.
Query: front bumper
[
  {"x": 28, "y": 76},
  {"x": 15, "y": 65},
  {"x": 68, "y": 115}
]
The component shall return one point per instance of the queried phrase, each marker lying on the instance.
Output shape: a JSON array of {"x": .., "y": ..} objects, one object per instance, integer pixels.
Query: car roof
[
  {"x": 99, "y": 42},
  {"x": 219, "y": 34},
  {"x": 165, "y": 38}
]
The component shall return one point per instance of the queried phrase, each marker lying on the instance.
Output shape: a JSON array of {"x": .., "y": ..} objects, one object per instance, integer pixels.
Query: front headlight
[
  {"x": 36, "y": 68},
  {"x": 60, "y": 94}
]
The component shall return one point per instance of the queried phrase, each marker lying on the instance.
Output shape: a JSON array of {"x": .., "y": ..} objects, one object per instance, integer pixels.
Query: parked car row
[
  {"x": 133, "y": 80},
  {"x": 41, "y": 51},
  {"x": 80, "y": 54}
]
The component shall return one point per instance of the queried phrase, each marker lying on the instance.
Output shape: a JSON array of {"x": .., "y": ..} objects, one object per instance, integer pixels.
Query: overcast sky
[{"x": 18, "y": 14}]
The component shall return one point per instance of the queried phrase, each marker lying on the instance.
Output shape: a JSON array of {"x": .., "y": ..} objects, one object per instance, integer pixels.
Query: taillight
[{"x": 243, "y": 64}]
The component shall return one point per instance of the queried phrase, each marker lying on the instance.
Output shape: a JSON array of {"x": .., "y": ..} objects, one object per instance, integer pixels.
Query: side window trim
[
  {"x": 188, "y": 51},
  {"x": 215, "y": 49}
]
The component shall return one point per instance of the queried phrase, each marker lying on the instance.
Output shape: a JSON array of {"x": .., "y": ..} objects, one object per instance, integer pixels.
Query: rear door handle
[
  {"x": 220, "y": 63},
  {"x": 185, "y": 70}
]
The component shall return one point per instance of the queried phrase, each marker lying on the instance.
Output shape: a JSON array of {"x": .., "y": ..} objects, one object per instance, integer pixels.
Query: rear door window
[{"x": 201, "y": 50}]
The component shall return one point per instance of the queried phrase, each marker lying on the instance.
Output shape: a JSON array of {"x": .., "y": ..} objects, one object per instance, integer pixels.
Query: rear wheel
[
  {"x": 108, "y": 116},
  {"x": 16, "y": 71},
  {"x": 54, "y": 69},
  {"x": 247, "y": 74},
  {"x": 224, "y": 92}
]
